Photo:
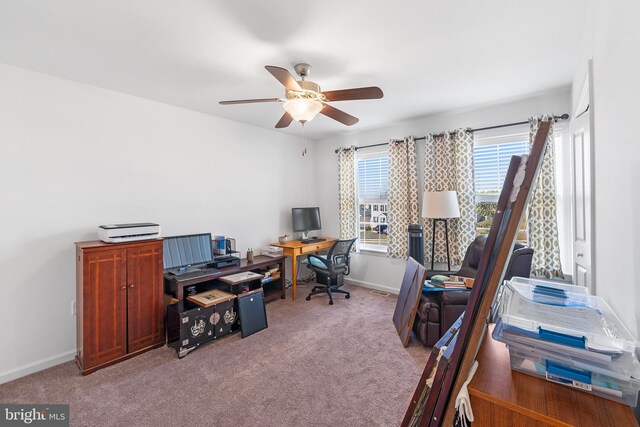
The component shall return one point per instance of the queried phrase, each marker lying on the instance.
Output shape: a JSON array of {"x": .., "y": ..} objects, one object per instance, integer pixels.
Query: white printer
[{"x": 120, "y": 233}]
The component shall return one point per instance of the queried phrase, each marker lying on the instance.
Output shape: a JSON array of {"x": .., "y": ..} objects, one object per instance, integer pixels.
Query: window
[
  {"x": 373, "y": 178},
  {"x": 491, "y": 156},
  {"x": 492, "y": 153}
]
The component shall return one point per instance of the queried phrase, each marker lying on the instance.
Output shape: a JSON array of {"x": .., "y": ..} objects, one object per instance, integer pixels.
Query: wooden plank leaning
[
  {"x": 407, "y": 305},
  {"x": 417, "y": 405},
  {"x": 455, "y": 363},
  {"x": 443, "y": 364}
]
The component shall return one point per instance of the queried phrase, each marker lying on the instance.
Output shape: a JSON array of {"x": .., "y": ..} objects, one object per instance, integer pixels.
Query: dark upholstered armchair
[
  {"x": 437, "y": 312},
  {"x": 331, "y": 268},
  {"x": 519, "y": 264}
]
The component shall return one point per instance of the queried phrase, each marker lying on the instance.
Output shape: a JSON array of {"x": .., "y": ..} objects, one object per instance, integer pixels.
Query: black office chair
[{"x": 331, "y": 268}]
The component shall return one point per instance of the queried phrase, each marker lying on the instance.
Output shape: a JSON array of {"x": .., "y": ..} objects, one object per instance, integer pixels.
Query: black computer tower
[{"x": 324, "y": 279}]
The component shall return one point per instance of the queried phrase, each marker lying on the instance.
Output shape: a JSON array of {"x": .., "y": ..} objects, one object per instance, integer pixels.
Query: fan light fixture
[{"x": 303, "y": 109}]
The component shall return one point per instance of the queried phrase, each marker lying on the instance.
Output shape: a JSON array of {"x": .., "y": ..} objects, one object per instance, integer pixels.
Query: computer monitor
[
  {"x": 305, "y": 219},
  {"x": 181, "y": 253}
]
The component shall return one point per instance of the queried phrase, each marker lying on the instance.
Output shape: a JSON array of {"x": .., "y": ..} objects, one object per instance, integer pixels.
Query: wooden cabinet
[{"x": 119, "y": 301}]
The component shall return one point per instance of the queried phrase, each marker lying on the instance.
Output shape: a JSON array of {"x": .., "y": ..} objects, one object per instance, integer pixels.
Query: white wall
[
  {"x": 376, "y": 270},
  {"x": 76, "y": 156},
  {"x": 611, "y": 39}
]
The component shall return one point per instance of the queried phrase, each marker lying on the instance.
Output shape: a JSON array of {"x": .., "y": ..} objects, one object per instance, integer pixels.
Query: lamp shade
[
  {"x": 440, "y": 204},
  {"x": 303, "y": 109}
]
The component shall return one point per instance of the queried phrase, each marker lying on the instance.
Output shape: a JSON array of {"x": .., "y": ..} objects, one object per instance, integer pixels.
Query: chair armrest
[
  {"x": 340, "y": 260},
  {"x": 340, "y": 263}
]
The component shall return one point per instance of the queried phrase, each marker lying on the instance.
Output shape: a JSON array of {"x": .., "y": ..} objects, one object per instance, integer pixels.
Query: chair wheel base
[
  {"x": 347, "y": 296},
  {"x": 308, "y": 298},
  {"x": 330, "y": 302}
]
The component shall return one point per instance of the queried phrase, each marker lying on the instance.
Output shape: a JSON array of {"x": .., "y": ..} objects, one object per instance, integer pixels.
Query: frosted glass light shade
[
  {"x": 440, "y": 204},
  {"x": 303, "y": 110}
]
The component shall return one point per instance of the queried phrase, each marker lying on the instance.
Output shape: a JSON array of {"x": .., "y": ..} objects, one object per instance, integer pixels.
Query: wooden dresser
[
  {"x": 502, "y": 397},
  {"x": 119, "y": 292}
]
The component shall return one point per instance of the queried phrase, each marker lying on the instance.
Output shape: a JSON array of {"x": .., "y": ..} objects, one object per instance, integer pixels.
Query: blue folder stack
[{"x": 563, "y": 334}]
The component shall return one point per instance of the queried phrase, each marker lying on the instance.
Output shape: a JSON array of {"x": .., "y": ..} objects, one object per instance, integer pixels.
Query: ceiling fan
[{"x": 304, "y": 99}]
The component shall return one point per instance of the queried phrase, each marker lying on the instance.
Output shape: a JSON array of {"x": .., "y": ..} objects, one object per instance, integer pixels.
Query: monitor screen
[
  {"x": 305, "y": 219},
  {"x": 183, "y": 251}
]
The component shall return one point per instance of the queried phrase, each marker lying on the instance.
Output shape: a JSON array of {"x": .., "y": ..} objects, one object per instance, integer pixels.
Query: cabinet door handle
[
  {"x": 131, "y": 285},
  {"x": 124, "y": 287},
  {"x": 579, "y": 254}
]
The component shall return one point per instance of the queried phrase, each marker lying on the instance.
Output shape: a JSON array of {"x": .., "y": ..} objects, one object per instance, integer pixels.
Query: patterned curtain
[
  {"x": 448, "y": 166},
  {"x": 542, "y": 218},
  {"x": 347, "y": 192},
  {"x": 403, "y": 195}
]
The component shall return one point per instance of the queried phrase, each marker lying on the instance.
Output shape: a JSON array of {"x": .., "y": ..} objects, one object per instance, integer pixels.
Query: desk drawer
[{"x": 315, "y": 247}]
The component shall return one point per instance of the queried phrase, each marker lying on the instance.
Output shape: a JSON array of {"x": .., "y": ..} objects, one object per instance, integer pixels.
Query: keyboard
[
  {"x": 195, "y": 274},
  {"x": 313, "y": 240}
]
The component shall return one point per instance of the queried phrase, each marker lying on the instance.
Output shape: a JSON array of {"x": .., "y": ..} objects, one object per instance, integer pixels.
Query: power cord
[{"x": 301, "y": 282}]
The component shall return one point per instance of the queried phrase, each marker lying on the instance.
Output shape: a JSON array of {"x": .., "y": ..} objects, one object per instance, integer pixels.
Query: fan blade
[
  {"x": 284, "y": 77},
  {"x": 250, "y": 101},
  {"x": 285, "y": 120},
  {"x": 371, "y": 92},
  {"x": 339, "y": 115}
]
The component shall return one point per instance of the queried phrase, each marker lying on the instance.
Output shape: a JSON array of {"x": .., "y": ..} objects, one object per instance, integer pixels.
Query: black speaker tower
[{"x": 416, "y": 244}]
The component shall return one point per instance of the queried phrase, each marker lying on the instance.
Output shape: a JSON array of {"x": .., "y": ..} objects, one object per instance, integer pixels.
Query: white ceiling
[{"x": 428, "y": 56}]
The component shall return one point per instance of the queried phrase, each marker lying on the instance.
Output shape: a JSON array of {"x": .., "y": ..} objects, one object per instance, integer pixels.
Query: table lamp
[{"x": 440, "y": 206}]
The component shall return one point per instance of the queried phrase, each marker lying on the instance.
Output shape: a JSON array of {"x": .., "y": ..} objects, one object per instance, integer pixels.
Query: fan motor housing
[{"x": 310, "y": 90}]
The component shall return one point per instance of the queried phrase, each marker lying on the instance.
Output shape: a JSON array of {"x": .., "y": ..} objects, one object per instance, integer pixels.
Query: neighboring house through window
[{"x": 373, "y": 185}]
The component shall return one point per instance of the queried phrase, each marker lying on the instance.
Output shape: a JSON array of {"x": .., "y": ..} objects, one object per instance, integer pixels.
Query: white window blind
[
  {"x": 491, "y": 162},
  {"x": 373, "y": 178}
]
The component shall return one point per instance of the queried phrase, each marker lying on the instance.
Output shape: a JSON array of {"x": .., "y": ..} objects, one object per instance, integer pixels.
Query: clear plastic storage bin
[
  {"x": 623, "y": 364},
  {"x": 623, "y": 391},
  {"x": 613, "y": 370},
  {"x": 563, "y": 318}
]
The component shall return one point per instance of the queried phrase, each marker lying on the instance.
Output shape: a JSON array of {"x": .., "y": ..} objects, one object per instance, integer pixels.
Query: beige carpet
[{"x": 316, "y": 365}]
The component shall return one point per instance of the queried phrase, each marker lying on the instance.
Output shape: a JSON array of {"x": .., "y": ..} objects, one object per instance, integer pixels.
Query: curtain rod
[{"x": 565, "y": 116}]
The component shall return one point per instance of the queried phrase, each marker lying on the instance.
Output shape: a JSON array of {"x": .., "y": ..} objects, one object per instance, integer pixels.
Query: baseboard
[
  {"x": 36, "y": 366},
  {"x": 372, "y": 286}
]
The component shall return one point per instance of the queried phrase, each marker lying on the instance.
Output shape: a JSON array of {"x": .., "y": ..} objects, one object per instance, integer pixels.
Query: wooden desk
[
  {"x": 295, "y": 248},
  {"x": 502, "y": 397}
]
